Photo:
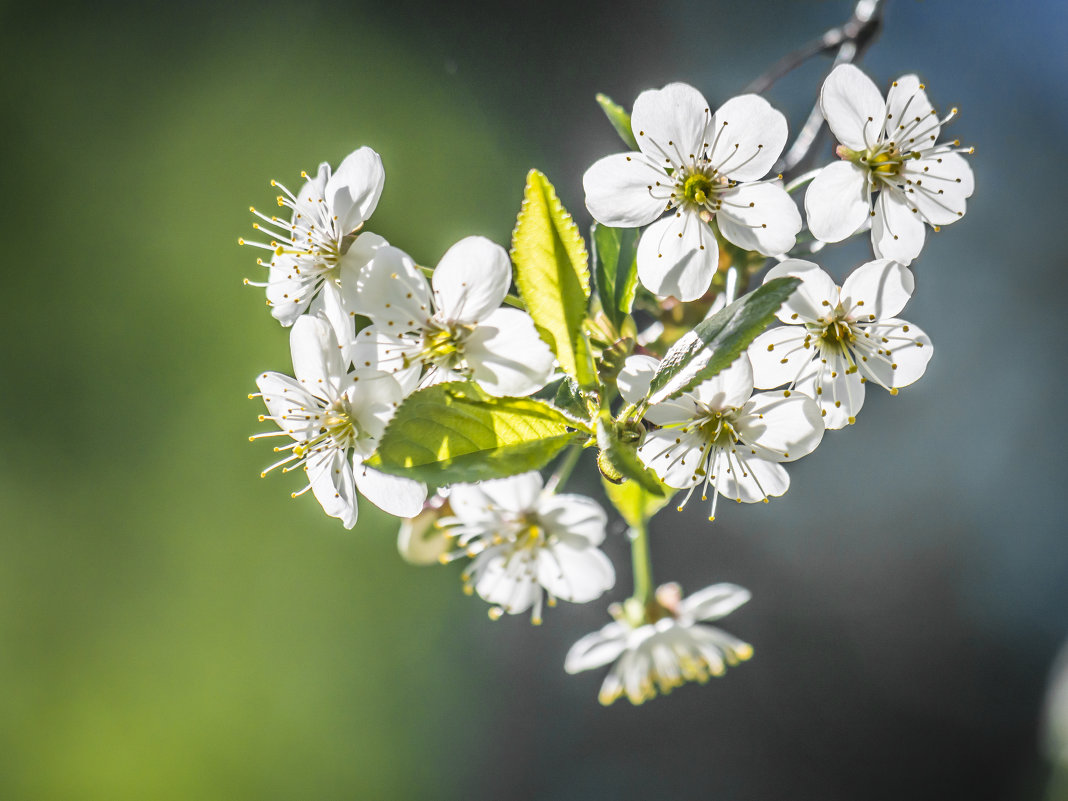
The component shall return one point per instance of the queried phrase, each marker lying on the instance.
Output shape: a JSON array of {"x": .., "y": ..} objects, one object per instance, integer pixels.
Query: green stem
[
  {"x": 563, "y": 472},
  {"x": 642, "y": 563},
  {"x": 801, "y": 180}
]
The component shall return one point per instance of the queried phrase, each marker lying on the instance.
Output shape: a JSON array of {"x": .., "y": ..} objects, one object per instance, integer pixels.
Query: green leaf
[
  {"x": 615, "y": 263},
  {"x": 458, "y": 432},
  {"x": 623, "y": 458},
  {"x": 553, "y": 277},
  {"x": 569, "y": 399},
  {"x": 619, "y": 118},
  {"x": 634, "y": 503},
  {"x": 725, "y": 334}
]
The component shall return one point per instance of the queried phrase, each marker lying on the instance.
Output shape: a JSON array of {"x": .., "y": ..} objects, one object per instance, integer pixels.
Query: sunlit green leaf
[
  {"x": 619, "y": 118},
  {"x": 615, "y": 269},
  {"x": 458, "y": 432},
  {"x": 569, "y": 399},
  {"x": 721, "y": 338},
  {"x": 553, "y": 277},
  {"x": 636, "y": 504},
  {"x": 621, "y": 459}
]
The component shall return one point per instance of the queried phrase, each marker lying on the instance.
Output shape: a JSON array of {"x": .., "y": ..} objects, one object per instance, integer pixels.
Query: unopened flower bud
[{"x": 420, "y": 540}]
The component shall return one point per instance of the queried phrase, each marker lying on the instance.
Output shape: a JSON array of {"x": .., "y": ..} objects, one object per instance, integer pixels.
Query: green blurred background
[{"x": 173, "y": 627}]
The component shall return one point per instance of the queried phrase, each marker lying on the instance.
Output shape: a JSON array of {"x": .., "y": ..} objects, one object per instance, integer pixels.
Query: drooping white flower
[
  {"x": 700, "y": 167},
  {"x": 452, "y": 329},
  {"x": 527, "y": 542},
  {"x": 837, "y": 339},
  {"x": 330, "y": 413},
  {"x": 663, "y": 654},
  {"x": 720, "y": 434},
  {"x": 318, "y": 248},
  {"x": 893, "y": 169}
]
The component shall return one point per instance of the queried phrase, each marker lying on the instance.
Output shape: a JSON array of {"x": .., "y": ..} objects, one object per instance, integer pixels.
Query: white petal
[
  {"x": 634, "y": 378},
  {"x": 911, "y": 121},
  {"x": 286, "y": 290},
  {"x": 308, "y": 208},
  {"x": 678, "y": 256},
  {"x": 838, "y": 201},
  {"x": 673, "y": 455},
  {"x": 938, "y": 186},
  {"x": 750, "y": 480},
  {"x": 575, "y": 520},
  {"x": 294, "y": 410},
  {"x": 853, "y": 107},
  {"x": 897, "y": 232},
  {"x": 377, "y": 350},
  {"x": 596, "y": 649},
  {"x": 669, "y": 124},
  {"x": 839, "y": 393},
  {"x": 515, "y": 493},
  {"x": 781, "y": 428},
  {"x": 760, "y": 217},
  {"x": 712, "y": 603},
  {"x": 328, "y": 305},
  {"x": 910, "y": 351},
  {"x": 471, "y": 280},
  {"x": 669, "y": 412},
  {"x": 352, "y": 264},
  {"x": 634, "y": 670},
  {"x": 353, "y": 191},
  {"x": 471, "y": 505},
  {"x": 392, "y": 291},
  {"x": 877, "y": 290},
  {"x": 317, "y": 361},
  {"x": 626, "y": 190},
  {"x": 506, "y": 355},
  {"x": 950, "y": 168},
  {"x": 331, "y": 480},
  {"x": 746, "y": 136},
  {"x": 813, "y": 296},
  {"x": 403, "y": 497},
  {"x": 575, "y": 574},
  {"x": 729, "y": 388},
  {"x": 713, "y": 643},
  {"x": 779, "y": 355},
  {"x": 373, "y": 397},
  {"x": 508, "y": 582}
]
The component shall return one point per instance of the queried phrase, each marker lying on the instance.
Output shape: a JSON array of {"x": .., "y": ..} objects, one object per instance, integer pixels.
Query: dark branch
[{"x": 848, "y": 41}]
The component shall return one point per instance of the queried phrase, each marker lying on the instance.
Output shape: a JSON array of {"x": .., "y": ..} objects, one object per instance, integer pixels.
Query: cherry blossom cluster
[{"x": 374, "y": 335}]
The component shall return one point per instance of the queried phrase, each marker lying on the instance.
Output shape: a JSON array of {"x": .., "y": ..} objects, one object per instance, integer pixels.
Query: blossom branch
[
  {"x": 849, "y": 41},
  {"x": 642, "y": 563}
]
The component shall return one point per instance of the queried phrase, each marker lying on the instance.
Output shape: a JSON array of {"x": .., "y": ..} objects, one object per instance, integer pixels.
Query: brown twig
[{"x": 848, "y": 41}]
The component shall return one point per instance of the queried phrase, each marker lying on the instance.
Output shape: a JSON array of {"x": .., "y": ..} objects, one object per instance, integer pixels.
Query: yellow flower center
[{"x": 697, "y": 188}]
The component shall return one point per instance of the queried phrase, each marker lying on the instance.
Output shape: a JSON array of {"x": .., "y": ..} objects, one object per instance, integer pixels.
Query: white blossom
[
  {"x": 700, "y": 167},
  {"x": 329, "y": 413},
  {"x": 893, "y": 169},
  {"x": 318, "y": 248},
  {"x": 526, "y": 542},
  {"x": 837, "y": 339},
  {"x": 720, "y": 434},
  {"x": 663, "y": 653},
  {"x": 452, "y": 329}
]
